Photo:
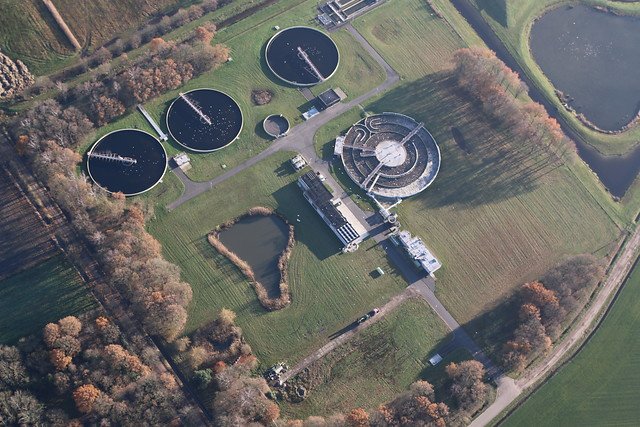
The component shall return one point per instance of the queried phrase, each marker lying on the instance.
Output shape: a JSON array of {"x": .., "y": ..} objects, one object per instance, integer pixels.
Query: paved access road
[{"x": 300, "y": 138}]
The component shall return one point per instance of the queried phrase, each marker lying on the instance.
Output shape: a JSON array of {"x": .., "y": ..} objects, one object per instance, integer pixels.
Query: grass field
[
  {"x": 43, "y": 294},
  {"x": 329, "y": 290},
  {"x": 31, "y": 35},
  {"x": 398, "y": 36},
  {"x": 600, "y": 385},
  {"x": 248, "y": 71},
  {"x": 514, "y": 28},
  {"x": 498, "y": 215},
  {"x": 377, "y": 364}
]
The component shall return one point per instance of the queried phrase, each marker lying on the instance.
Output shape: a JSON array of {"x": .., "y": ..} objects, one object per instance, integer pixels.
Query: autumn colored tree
[
  {"x": 85, "y": 397},
  {"x": 105, "y": 109},
  {"x": 70, "y": 325},
  {"x": 59, "y": 359},
  {"x": 50, "y": 334},
  {"x": 467, "y": 385},
  {"x": 204, "y": 35},
  {"x": 121, "y": 359},
  {"x": 271, "y": 413},
  {"x": 358, "y": 418}
]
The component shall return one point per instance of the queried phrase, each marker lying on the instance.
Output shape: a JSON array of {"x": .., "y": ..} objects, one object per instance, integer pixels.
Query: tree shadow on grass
[
  {"x": 493, "y": 328},
  {"x": 310, "y": 230},
  {"x": 498, "y": 168}
]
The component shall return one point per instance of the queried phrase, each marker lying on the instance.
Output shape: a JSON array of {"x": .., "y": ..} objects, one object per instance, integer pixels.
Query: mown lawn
[
  {"x": 512, "y": 23},
  {"x": 329, "y": 289},
  {"x": 31, "y": 299},
  {"x": 357, "y": 73},
  {"x": 377, "y": 364},
  {"x": 600, "y": 386},
  {"x": 409, "y": 35},
  {"x": 499, "y": 213}
]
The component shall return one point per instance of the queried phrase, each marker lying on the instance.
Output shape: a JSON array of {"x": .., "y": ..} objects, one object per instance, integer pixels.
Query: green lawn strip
[
  {"x": 31, "y": 299},
  {"x": 328, "y": 289},
  {"x": 377, "y": 364},
  {"x": 415, "y": 41},
  {"x": 515, "y": 35},
  {"x": 600, "y": 385}
]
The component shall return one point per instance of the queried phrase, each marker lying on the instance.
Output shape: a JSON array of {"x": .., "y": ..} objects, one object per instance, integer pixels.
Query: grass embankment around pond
[{"x": 513, "y": 25}]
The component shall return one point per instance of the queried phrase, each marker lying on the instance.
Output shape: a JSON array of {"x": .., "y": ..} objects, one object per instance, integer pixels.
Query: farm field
[
  {"x": 608, "y": 394},
  {"x": 45, "y": 293},
  {"x": 329, "y": 289},
  {"x": 513, "y": 26},
  {"x": 248, "y": 71},
  {"x": 31, "y": 38},
  {"x": 377, "y": 364}
]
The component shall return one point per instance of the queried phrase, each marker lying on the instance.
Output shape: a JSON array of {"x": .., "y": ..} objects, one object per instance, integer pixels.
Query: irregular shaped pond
[
  {"x": 259, "y": 240},
  {"x": 593, "y": 57}
]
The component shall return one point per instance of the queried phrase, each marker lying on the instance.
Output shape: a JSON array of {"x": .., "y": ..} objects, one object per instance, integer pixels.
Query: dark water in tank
[
  {"x": 259, "y": 240},
  {"x": 130, "y": 179},
  {"x": 593, "y": 57},
  {"x": 189, "y": 129},
  {"x": 286, "y": 62}
]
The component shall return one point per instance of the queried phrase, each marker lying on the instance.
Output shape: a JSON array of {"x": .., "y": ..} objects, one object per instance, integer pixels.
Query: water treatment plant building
[{"x": 389, "y": 155}]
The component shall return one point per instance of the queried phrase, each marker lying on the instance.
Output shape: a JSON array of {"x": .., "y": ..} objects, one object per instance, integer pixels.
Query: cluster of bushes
[
  {"x": 284, "y": 299},
  {"x": 548, "y": 306},
  {"x": 83, "y": 373},
  {"x": 496, "y": 87},
  {"x": 220, "y": 363},
  {"x": 418, "y": 406}
]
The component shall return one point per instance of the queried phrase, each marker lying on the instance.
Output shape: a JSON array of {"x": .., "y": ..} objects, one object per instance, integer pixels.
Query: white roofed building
[{"x": 418, "y": 252}]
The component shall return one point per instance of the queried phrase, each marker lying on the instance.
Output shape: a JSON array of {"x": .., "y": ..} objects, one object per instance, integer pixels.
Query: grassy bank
[
  {"x": 608, "y": 394},
  {"x": 46, "y": 293}
]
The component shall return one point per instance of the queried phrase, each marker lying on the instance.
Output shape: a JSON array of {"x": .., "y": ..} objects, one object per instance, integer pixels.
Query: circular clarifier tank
[
  {"x": 204, "y": 120},
  {"x": 129, "y": 161},
  {"x": 302, "y": 56}
]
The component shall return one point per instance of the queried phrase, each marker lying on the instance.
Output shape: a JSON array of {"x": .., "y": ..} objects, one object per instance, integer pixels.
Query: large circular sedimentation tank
[
  {"x": 130, "y": 161},
  {"x": 204, "y": 120},
  {"x": 302, "y": 56},
  {"x": 390, "y": 155}
]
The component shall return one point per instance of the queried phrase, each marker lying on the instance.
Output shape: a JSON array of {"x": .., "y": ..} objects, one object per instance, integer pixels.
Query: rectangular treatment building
[{"x": 335, "y": 214}]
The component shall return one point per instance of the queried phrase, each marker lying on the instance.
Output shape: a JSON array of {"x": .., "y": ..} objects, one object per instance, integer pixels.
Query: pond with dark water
[
  {"x": 259, "y": 240},
  {"x": 593, "y": 58},
  {"x": 302, "y": 55},
  {"x": 123, "y": 174},
  {"x": 204, "y": 120}
]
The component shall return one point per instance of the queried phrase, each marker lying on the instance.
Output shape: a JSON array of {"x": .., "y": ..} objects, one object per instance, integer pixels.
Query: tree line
[
  {"x": 498, "y": 89},
  {"x": 48, "y": 135},
  {"x": 548, "y": 306}
]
